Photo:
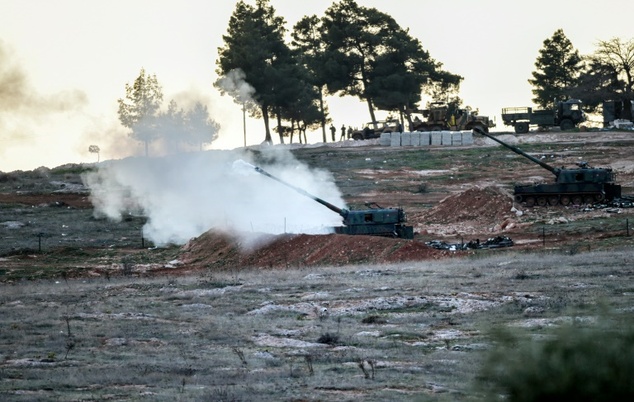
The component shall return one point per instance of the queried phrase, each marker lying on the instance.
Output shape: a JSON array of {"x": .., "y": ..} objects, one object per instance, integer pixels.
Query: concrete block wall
[
  {"x": 446, "y": 137},
  {"x": 415, "y": 139},
  {"x": 456, "y": 138},
  {"x": 426, "y": 138}
]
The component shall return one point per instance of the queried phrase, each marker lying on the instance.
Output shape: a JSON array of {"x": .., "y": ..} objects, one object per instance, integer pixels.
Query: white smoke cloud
[
  {"x": 235, "y": 84},
  {"x": 186, "y": 195}
]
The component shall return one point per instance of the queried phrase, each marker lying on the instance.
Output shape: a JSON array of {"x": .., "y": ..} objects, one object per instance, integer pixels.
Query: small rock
[{"x": 533, "y": 311}]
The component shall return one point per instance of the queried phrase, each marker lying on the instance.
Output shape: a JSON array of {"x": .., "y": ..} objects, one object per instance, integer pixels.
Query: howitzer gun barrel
[
  {"x": 518, "y": 151},
  {"x": 342, "y": 212},
  {"x": 373, "y": 222}
]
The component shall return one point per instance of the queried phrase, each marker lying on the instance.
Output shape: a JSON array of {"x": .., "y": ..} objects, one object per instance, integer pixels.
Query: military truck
[
  {"x": 372, "y": 130},
  {"x": 438, "y": 117},
  {"x": 567, "y": 115}
]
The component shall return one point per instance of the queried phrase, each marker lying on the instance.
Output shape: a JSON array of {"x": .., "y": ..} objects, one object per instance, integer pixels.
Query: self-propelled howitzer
[
  {"x": 584, "y": 184},
  {"x": 374, "y": 221}
]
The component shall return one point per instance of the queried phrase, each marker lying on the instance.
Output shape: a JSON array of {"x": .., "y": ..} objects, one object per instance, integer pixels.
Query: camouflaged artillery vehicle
[{"x": 582, "y": 185}]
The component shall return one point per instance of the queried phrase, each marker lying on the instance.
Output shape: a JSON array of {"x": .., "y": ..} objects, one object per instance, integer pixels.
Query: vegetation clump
[{"x": 576, "y": 362}]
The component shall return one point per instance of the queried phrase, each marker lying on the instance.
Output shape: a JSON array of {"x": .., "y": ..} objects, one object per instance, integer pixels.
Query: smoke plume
[
  {"x": 17, "y": 94},
  {"x": 185, "y": 195},
  {"x": 235, "y": 85},
  {"x": 26, "y": 113}
]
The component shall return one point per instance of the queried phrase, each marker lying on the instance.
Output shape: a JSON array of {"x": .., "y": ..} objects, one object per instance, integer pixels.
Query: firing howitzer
[{"x": 374, "y": 221}]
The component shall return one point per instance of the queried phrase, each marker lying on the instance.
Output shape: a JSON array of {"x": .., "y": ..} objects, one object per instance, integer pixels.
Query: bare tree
[
  {"x": 608, "y": 75},
  {"x": 619, "y": 55}
]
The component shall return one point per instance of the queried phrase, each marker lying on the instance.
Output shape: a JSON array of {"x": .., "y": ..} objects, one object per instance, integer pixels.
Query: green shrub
[
  {"x": 374, "y": 319},
  {"x": 576, "y": 362},
  {"x": 328, "y": 338}
]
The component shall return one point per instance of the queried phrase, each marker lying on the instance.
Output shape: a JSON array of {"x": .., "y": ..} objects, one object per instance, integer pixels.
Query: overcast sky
[{"x": 64, "y": 63}]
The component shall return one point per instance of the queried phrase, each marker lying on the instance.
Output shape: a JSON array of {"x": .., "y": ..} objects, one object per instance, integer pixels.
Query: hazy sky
[{"x": 64, "y": 63}]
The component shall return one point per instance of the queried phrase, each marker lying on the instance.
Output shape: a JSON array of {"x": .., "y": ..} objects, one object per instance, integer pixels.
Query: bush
[
  {"x": 328, "y": 338},
  {"x": 8, "y": 177},
  {"x": 591, "y": 363},
  {"x": 374, "y": 319}
]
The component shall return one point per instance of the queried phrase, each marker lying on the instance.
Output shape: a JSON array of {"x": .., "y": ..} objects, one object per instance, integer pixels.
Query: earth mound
[
  {"x": 475, "y": 210},
  {"x": 487, "y": 205},
  {"x": 221, "y": 251}
]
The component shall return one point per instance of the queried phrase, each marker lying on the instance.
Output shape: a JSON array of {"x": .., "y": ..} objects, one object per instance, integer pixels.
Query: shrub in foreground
[{"x": 577, "y": 362}]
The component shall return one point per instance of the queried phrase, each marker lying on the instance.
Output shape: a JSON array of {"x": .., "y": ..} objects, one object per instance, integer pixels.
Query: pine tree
[
  {"x": 254, "y": 44},
  {"x": 558, "y": 67},
  {"x": 139, "y": 110},
  {"x": 373, "y": 58}
]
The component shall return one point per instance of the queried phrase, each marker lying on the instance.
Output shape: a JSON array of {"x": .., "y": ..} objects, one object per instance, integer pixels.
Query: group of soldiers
[{"x": 344, "y": 132}]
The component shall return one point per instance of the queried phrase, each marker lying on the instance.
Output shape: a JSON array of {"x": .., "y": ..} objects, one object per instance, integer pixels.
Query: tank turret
[{"x": 577, "y": 186}]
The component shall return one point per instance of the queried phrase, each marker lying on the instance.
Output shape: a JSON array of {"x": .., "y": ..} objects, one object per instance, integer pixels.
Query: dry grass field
[
  {"x": 418, "y": 331},
  {"x": 90, "y": 310}
]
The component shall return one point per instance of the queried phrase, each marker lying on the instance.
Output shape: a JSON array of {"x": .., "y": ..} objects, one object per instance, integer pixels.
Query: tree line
[
  {"x": 283, "y": 77},
  {"x": 350, "y": 51}
]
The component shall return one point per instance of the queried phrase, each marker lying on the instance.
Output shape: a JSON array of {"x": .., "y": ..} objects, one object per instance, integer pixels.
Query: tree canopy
[
  {"x": 350, "y": 51},
  {"x": 200, "y": 127},
  {"x": 618, "y": 56},
  {"x": 310, "y": 50},
  {"x": 254, "y": 44},
  {"x": 558, "y": 67},
  {"x": 139, "y": 110},
  {"x": 371, "y": 57},
  {"x": 608, "y": 74}
]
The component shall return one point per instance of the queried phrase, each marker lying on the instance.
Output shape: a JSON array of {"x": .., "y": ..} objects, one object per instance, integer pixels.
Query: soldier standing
[
  {"x": 333, "y": 130},
  {"x": 343, "y": 133}
]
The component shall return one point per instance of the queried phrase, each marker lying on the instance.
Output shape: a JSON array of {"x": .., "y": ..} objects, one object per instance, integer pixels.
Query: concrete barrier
[
  {"x": 396, "y": 140},
  {"x": 406, "y": 139},
  {"x": 447, "y": 137},
  {"x": 385, "y": 140},
  {"x": 415, "y": 138},
  {"x": 467, "y": 138},
  {"x": 425, "y": 138},
  {"x": 436, "y": 138}
]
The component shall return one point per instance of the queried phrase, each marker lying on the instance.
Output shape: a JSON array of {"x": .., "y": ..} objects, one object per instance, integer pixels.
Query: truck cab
[{"x": 569, "y": 114}]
